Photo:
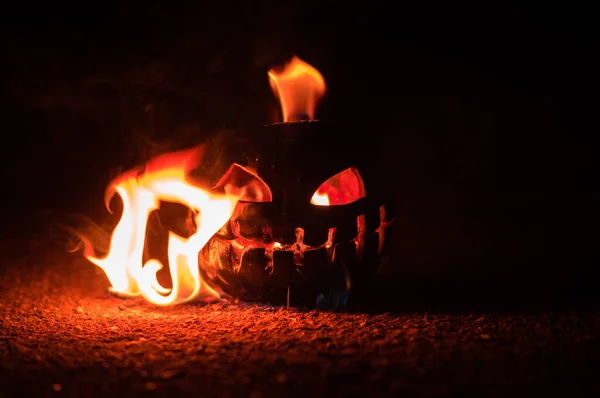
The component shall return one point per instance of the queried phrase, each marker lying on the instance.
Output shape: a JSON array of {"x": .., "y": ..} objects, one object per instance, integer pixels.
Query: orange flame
[
  {"x": 164, "y": 179},
  {"x": 299, "y": 87}
]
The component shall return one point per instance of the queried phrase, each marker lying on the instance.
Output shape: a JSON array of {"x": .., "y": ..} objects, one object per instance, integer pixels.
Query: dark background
[{"x": 484, "y": 118}]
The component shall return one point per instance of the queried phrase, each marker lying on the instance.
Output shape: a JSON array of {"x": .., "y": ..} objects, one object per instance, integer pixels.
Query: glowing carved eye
[{"x": 343, "y": 188}]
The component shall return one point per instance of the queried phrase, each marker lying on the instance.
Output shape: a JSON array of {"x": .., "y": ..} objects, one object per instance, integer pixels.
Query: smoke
[{"x": 74, "y": 232}]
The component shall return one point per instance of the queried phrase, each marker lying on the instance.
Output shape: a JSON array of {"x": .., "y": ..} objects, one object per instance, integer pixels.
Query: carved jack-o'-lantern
[
  {"x": 294, "y": 208},
  {"x": 311, "y": 212}
]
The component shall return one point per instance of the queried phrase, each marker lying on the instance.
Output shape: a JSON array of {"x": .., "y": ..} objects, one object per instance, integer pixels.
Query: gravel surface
[{"x": 62, "y": 334}]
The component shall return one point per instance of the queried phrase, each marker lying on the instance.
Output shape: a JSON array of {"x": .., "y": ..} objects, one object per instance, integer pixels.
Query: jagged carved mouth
[{"x": 230, "y": 258}]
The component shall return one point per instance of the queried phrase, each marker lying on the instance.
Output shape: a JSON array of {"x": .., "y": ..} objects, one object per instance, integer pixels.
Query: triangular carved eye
[
  {"x": 244, "y": 183},
  {"x": 343, "y": 188}
]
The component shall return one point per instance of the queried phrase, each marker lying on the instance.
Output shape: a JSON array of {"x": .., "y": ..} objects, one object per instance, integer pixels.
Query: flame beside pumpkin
[{"x": 165, "y": 179}]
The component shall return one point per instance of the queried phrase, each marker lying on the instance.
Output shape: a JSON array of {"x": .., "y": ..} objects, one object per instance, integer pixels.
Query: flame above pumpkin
[{"x": 299, "y": 87}]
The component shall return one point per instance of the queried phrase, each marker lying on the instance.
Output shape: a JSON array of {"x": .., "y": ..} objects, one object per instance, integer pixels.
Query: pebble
[
  {"x": 349, "y": 351},
  {"x": 150, "y": 386}
]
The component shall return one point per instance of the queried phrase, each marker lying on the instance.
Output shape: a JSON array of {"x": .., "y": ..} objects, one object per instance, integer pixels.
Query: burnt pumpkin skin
[{"x": 278, "y": 241}]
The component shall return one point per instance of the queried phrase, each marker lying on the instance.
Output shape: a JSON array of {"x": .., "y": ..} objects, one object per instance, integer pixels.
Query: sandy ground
[{"x": 62, "y": 334}]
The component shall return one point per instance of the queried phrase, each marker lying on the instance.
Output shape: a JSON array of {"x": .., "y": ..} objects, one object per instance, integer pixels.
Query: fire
[
  {"x": 320, "y": 199},
  {"x": 164, "y": 179},
  {"x": 299, "y": 87}
]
